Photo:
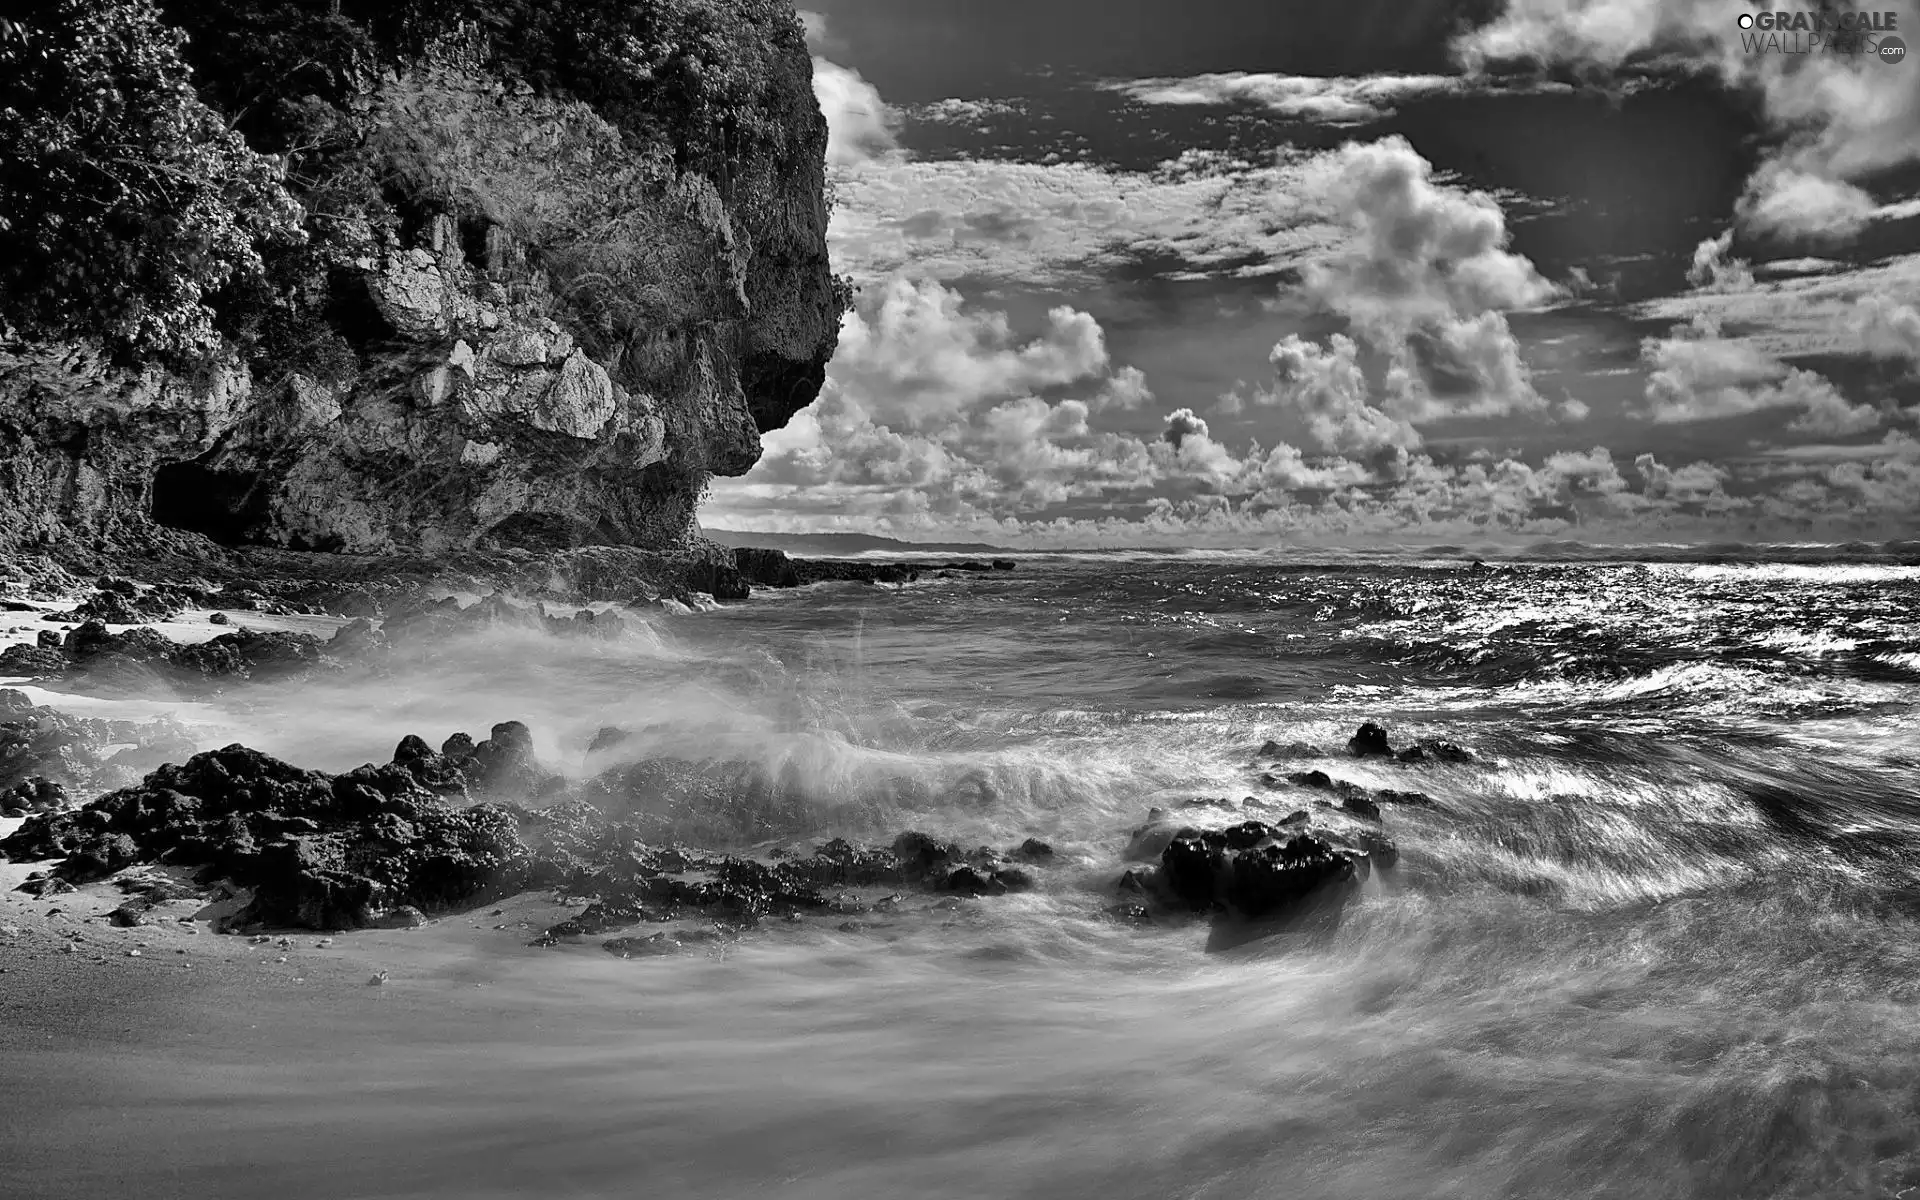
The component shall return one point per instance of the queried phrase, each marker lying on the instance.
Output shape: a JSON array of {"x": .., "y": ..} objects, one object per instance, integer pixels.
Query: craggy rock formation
[
  {"x": 320, "y": 851},
  {"x": 1365, "y": 801},
  {"x": 364, "y": 848},
  {"x": 45, "y": 753},
  {"x": 445, "y": 830},
  {"x": 139, "y": 656},
  {"x": 537, "y": 295},
  {"x": 1251, "y": 871},
  {"x": 1253, "y": 868},
  {"x": 631, "y": 881},
  {"x": 1370, "y": 741}
]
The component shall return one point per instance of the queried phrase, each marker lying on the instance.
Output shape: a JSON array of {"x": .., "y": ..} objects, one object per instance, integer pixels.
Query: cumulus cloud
[
  {"x": 919, "y": 355},
  {"x": 1064, "y": 224},
  {"x": 953, "y": 111},
  {"x": 1182, "y": 424},
  {"x": 1424, "y": 251},
  {"x": 1840, "y": 117},
  {"x": 1890, "y": 330},
  {"x": 1698, "y": 481},
  {"x": 859, "y": 123},
  {"x": 1824, "y": 411},
  {"x": 1790, "y": 202},
  {"x": 1325, "y": 100},
  {"x": 1326, "y": 386},
  {"x": 1423, "y": 280},
  {"x": 1712, "y": 267},
  {"x": 1698, "y": 375},
  {"x": 1797, "y": 315},
  {"x": 922, "y": 428}
]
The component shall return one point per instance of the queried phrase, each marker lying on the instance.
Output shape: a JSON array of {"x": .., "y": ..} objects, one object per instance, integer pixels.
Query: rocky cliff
[{"x": 520, "y": 313}]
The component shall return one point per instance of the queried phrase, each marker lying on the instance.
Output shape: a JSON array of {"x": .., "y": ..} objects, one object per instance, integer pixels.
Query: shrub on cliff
[{"x": 126, "y": 204}]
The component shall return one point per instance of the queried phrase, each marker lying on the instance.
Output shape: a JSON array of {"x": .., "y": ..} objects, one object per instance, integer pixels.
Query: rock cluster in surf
[{"x": 367, "y": 846}]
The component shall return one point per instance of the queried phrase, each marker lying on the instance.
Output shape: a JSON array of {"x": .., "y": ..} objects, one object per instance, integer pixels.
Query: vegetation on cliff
[
  {"x": 138, "y": 215},
  {"x": 130, "y": 211}
]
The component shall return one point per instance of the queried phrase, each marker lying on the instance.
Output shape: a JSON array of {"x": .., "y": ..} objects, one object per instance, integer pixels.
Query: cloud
[
  {"x": 1698, "y": 375},
  {"x": 1890, "y": 330},
  {"x": 952, "y": 111},
  {"x": 918, "y": 355},
  {"x": 1465, "y": 367},
  {"x": 859, "y": 123},
  {"x": 1423, "y": 250},
  {"x": 1699, "y": 481},
  {"x": 1788, "y": 202},
  {"x": 1839, "y": 117},
  {"x": 1183, "y": 424},
  {"x": 1067, "y": 224},
  {"x": 1795, "y": 316},
  {"x": 1326, "y": 387},
  {"x": 1423, "y": 279},
  {"x": 1823, "y": 410},
  {"x": 1713, "y": 269},
  {"x": 1325, "y": 100}
]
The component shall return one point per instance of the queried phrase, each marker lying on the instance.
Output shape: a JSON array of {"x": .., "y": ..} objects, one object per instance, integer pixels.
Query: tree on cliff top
[{"x": 126, "y": 205}]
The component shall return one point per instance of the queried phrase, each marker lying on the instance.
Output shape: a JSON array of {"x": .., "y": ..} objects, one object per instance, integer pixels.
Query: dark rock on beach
[
  {"x": 137, "y": 657},
  {"x": 319, "y": 851},
  {"x": 122, "y": 602},
  {"x": 44, "y": 749},
  {"x": 34, "y": 794},
  {"x": 387, "y": 845}
]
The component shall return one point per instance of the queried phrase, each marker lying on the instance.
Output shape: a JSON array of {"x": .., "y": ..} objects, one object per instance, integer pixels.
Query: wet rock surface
[
  {"x": 579, "y": 852},
  {"x": 384, "y": 845},
  {"x": 121, "y": 601},
  {"x": 1355, "y": 798},
  {"x": 319, "y": 851},
  {"x": 1371, "y": 741},
  {"x": 1248, "y": 871},
  {"x": 45, "y": 753},
  {"x": 141, "y": 656}
]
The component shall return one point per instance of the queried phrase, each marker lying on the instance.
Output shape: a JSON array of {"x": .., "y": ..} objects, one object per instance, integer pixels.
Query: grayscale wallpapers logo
[{"x": 1823, "y": 31}]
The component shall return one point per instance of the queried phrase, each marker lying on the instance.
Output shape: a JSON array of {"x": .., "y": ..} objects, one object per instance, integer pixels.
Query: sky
[{"x": 1222, "y": 273}]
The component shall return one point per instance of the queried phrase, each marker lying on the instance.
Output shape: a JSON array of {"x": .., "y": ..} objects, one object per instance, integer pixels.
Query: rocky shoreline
[{"x": 266, "y": 845}]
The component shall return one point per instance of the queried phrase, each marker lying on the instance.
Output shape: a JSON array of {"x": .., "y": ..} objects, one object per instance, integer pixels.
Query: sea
[{"x": 1657, "y": 939}]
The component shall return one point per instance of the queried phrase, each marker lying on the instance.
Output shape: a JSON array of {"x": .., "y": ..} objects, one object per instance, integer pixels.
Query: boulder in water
[
  {"x": 921, "y": 855},
  {"x": 1370, "y": 741},
  {"x": 1361, "y": 806},
  {"x": 766, "y": 568},
  {"x": 1251, "y": 870},
  {"x": 1435, "y": 750}
]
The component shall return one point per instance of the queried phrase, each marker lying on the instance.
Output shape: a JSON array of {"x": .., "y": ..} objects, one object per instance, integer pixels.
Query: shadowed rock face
[
  {"x": 375, "y": 844},
  {"x": 483, "y": 406}
]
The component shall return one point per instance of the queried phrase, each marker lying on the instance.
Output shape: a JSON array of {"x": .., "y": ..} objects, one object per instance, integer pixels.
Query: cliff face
[{"x": 540, "y": 329}]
